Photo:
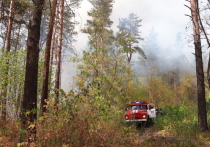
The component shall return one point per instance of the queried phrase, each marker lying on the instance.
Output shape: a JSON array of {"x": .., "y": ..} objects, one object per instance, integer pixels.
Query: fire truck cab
[{"x": 140, "y": 111}]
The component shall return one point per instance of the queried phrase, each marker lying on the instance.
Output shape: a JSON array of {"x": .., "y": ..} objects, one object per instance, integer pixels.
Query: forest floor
[{"x": 149, "y": 137}]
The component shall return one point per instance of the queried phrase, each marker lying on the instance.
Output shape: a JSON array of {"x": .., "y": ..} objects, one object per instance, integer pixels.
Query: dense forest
[{"x": 115, "y": 68}]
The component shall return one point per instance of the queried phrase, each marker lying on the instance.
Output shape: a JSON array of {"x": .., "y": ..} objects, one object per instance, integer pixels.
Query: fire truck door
[{"x": 151, "y": 111}]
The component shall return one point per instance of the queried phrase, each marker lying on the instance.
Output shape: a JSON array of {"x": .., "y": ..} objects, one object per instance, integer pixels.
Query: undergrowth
[
  {"x": 76, "y": 127},
  {"x": 73, "y": 127},
  {"x": 176, "y": 127}
]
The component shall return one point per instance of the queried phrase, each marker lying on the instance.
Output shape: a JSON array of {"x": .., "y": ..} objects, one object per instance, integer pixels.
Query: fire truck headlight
[
  {"x": 144, "y": 116},
  {"x": 126, "y": 117}
]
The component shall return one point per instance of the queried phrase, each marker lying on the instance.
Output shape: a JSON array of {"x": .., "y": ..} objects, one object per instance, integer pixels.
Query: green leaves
[
  {"x": 128, "y": 36},
  {"x": 13, "y": 77}
]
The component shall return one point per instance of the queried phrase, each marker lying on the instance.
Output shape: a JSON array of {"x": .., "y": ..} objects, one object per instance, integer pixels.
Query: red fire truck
[{"x": 140, "y": 111}]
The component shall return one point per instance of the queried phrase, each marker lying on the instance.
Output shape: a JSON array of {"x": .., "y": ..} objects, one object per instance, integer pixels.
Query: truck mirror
[{"x": 126, "y": 108}]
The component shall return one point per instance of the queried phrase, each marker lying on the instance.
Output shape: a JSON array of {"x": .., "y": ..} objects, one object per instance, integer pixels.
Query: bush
[{"x": 180, "y": 121}]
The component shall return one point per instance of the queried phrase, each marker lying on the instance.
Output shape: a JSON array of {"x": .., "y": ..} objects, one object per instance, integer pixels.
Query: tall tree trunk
[
  {"x": 58, "y": 68},
  {"x": 4, "y": 42},
  {"x": 47, "y": 58},
  {"x": 9, "y": 29},
  {"x": 2, "y": 9},
  {"x": 29, "y": 103},
  {"x": 52, "y": 56},
  {"x": 17, "y": 38},
  {"x": 8, "y": 47},
  {"x": 1, "y": 20},
  {"x": 175, "y": 89},
  {"x": 208, "y": 70},
  {"x": 202, "y": 114}
]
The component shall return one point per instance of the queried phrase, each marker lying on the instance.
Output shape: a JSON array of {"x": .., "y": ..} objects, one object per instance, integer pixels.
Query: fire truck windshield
[{"x": 136, "y": 107}]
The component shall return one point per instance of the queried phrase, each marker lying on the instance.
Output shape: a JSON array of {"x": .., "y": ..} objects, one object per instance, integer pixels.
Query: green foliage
[
  {"x": 208, "y": 103},
  {"x": 104, "y": 74},
  {"x": 180, "y": 121},
  {"x": 108, "y": 79},
  {"x": 74, "y": 125},
  {"x": 14, "y": 73},
  {"x": 40, "y": 74},
  {"x": 100, "y": 36},
  {"x": 208, "y": 109},
  {"x": 189, "y": 87},
  {"x": 128, "y": 36},
  {"x": 135, "y": 90},
  {"x": 159, "y": 93}
]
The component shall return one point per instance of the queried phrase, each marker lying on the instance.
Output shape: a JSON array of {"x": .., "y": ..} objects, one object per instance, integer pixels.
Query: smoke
[{"x": 167, "y": 17}]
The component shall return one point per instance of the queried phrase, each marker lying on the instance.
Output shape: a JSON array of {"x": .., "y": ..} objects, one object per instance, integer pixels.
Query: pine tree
[
  {"x": 129, "y": 36},
  {"x": 47, "y": 58},
  {"x": 104, "y": 74},
  {"x": 202, "y": 113},
  {"x": 29, "y": 103},
  {"x": 59, "y": 50},
  {"x": 100, "y": 40}
]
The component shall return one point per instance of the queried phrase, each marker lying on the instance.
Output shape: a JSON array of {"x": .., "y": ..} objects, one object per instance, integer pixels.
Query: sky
[{"x": 167, "y": 17}]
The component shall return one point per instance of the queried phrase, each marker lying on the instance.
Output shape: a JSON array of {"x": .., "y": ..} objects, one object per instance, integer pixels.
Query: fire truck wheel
[
  {"x": 140, "y": 125},
  {"x": 149, "y": 122}
]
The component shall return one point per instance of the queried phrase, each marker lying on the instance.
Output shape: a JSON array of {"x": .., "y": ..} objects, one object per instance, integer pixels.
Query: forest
[{"x": 115, "y": 68}]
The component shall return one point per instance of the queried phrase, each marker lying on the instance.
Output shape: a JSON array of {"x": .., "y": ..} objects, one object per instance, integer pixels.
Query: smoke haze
[{"x": 167, "y": 17}]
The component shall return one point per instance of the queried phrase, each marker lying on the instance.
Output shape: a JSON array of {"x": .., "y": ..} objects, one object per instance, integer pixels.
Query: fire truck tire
[
  {"x": 140, "y": 125},
  {"x": 149, "y": 122}
]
